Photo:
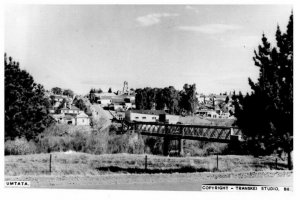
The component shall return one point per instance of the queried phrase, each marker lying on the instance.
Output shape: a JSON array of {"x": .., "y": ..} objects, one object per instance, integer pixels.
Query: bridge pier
[
  {"x": 166, "y": 146},
  {"x": 180, "y": 147}
]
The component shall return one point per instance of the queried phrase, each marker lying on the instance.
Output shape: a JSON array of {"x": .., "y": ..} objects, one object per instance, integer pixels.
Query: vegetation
[
  {"x": 92, "y": 97},
  {"x": 81, "y": 104},
  {"x": 176, "y": 102},
  {"x": 266, "y": 115},
  {"x": 56, "y": 90},
  {"x": 88, "y": 164},
  {"x": 26, "y": 113},
  {"x": 68, "y": 92}
]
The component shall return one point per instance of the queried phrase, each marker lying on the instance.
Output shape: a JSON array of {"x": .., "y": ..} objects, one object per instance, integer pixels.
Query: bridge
[{"x": 180, "y": 132}]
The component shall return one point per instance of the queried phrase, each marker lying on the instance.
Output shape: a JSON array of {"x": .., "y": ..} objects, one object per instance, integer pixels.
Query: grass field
[{"x": 88, "y": 164}]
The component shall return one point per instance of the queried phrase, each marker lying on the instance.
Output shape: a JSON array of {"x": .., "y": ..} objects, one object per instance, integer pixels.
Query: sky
[{"x": 80, "y": 47}]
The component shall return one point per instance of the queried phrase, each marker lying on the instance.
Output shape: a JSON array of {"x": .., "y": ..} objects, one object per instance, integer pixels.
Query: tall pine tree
[{"x": 266, "y": 116}]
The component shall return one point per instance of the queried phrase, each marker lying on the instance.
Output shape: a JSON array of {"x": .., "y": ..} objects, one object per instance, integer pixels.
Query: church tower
[{"x": 125, "y": 88}]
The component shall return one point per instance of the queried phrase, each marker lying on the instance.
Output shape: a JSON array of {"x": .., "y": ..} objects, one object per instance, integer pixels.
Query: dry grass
[{"x": 88, "y": 164}]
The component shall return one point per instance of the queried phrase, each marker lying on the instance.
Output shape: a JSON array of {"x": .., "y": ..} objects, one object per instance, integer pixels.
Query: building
[
  {"x": 143, "y": 115},
  {"x": 120, "y": 115},
  {"x": 71, "y": 109},
  {"x": 104, "y": 102},
  {"x": 105, "y": 95},
  {"x": 82, "y": 119},
  {"x": 208, "y": 113},
  {"x": 125, "y": 88},
  {"x": 64, "y": 119},
  {"x": 72, "y": 119}
]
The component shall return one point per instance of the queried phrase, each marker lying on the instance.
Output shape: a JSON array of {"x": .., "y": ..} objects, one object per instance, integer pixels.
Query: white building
[
  {"x": 208, "y": 113},
  {"x": 82, "y": 119},
  {"x": 71, "y": 109},
  {"x": 149, "y": 116},
  {"x": 143, "y": 115},
  {"x": 104, "y": 102}
]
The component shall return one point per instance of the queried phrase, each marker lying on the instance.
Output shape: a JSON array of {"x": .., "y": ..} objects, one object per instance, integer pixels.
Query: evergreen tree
[
  {"x": 188, "y": 98},
  {"x": 266, "y": 116},
  {"x": 26, "y": 112}
]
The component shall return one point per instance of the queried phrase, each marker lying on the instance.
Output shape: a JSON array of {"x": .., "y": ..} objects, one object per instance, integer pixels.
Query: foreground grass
[{"x": 88, "y": 164}]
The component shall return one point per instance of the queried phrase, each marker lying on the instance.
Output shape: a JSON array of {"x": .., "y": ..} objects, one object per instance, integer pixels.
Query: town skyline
[{"x": 100, "y": 46}]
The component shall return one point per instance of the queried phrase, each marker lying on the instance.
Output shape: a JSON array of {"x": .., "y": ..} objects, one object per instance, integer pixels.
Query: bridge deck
[{"x": 183, "y": 131}]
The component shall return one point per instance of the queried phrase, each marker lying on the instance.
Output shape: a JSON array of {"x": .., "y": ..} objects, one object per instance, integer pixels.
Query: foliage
[
  {"x": 188, "y": 98},
  {"x": 94, "y": 90},
  {"x": 270, "y": 106},
  {"x": 26, "y": 113},
  {"x": 167, "y": 98},
  {"x": 19, "y": 146},
  {"x": 68, "y": 92},
  {"x": 126, "y": 143},
  {"x": 61, "y": 105},
  {"x": 56, "y": 90},
  {"x": 80, "y": 103},
  {"x": 92, "y": 97}
]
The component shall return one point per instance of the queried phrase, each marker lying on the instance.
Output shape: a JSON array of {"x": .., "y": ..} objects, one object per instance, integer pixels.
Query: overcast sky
[{"x": 80, "y": 47}]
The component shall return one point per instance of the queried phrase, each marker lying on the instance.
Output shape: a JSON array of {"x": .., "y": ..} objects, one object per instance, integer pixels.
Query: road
[{"x": 165, "y": 182}]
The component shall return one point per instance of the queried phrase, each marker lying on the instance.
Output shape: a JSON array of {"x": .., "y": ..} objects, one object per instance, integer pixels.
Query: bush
[
  {"x": 198, "y": 148},
  {"x": 153, "y": 145},
  {"x": 78, "y": 142},
  {"x": 20, "y": 146},
  {"x": 127, "y": 143}
]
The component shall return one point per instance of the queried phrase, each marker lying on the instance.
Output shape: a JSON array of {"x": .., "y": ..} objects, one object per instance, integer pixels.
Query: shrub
[
  {"x": 79, "y": 141},
  {"x": 127, "y": 143},
  {"x": 20, "y": 146},
  {"x": 198, "y": 148},
  {"x": 153, "y": 145}
]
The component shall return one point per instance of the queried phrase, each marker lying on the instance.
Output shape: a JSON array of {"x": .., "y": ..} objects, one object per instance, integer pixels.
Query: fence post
[
  {"x": 146, "y": 163},
  {"x": 50, "y": 163},
  {"x": 276, "y": 163},
  {"x": 217, "y": 161},
  {"x": 166, "y": 142}
]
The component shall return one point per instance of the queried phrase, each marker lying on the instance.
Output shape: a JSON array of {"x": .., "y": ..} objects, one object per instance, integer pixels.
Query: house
[
  {"x": 225, "y": 115},
  {"x": 72, "y": 119},
  {"x": 71, "y": 109},
  {"x": 212, "y": 114},
  {"x": 82, "y": 119},
  {"x": 64, "y": 119},
  {"x": 208, "y": 113}
]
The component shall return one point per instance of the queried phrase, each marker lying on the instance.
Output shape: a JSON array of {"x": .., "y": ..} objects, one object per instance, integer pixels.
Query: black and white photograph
[{"x": 149, "y": 97}]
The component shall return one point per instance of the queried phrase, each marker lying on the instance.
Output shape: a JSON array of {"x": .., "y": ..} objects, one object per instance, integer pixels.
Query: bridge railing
[{"x": 218, "y": 133}]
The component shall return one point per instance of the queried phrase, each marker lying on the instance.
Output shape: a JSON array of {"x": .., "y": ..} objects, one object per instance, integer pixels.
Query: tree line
[
  {"x": 59, "y": 91},
  {"x": 168, "y": 98}
]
